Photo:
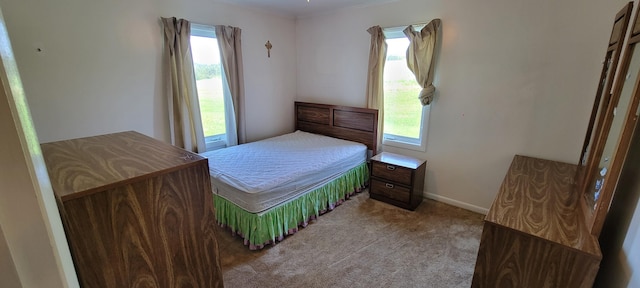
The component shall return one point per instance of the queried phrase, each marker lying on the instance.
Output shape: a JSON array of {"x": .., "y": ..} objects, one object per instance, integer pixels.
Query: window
[
  {"x": 405, "y": 119},
  {"x": 209, "y": 82}
]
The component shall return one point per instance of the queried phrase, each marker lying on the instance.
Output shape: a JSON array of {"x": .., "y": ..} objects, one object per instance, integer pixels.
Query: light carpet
[{"x": 363, "y": 243}]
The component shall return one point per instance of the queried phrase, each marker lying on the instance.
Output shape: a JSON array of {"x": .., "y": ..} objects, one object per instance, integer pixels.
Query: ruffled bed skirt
[{"x": 270, "y": 226}]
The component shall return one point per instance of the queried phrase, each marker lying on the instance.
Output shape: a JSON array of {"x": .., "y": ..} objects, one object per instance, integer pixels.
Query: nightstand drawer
[
  {"x": 396, "y": 173},
  {"x": 390, "y": 190}
]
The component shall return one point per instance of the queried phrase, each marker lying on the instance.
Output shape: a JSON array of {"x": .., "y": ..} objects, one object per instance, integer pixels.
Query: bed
[{"x": 268, "y": 189}]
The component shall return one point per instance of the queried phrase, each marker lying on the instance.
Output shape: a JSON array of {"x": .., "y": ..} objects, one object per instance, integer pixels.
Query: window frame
[
  {"x": 416, "y": 144},
  {"x": 218, "y": 141}
]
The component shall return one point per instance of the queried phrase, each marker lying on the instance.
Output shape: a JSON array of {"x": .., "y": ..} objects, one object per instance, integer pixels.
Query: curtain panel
[
  {"x": 421, "y": 55},
  {"x": 375, "y": 88},
  {"x": 180, "y": 86},
  {"x": 231, "y": 57}
]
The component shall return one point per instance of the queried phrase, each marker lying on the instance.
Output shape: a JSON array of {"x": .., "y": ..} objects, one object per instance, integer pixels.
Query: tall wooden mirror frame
[
  {"x": 595, "y": 217},
  {"x": 609, "y": 66}
]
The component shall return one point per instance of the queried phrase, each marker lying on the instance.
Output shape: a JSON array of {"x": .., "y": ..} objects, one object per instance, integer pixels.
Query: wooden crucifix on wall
[{"x": 269, "y": 46}]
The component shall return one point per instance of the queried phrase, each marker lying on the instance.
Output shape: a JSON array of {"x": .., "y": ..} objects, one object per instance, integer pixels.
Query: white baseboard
[{"x": 456, "y": 203}]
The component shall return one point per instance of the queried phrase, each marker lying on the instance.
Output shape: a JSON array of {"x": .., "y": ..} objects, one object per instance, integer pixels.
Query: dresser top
[
  {"x": 398, "y": 160},
  {"x": 82, "y": 166},
  {"x": 537, "y": 198}
]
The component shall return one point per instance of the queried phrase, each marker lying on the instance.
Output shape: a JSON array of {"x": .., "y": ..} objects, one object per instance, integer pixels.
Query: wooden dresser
[
  {"x": 534, "y": 234},
  {"x": 397, "y": 179},
  {"x": 137, "y": 212}
]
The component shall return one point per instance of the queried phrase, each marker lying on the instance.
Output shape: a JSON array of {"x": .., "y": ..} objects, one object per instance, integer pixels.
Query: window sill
[
  {"x": 214, "y": 143},
  {"x": 404, "y": 145}
]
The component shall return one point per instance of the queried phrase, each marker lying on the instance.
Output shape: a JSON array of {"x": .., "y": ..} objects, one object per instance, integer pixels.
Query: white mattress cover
[{"x": 262, "y": 174}]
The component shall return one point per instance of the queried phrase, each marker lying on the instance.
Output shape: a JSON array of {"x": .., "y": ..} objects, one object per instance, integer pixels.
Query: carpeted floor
[{"x": 363, "y": 243}]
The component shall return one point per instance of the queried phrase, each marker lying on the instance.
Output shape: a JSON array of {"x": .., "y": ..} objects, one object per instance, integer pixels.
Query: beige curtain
[
  {"x": 184, "y": 110},
  {"x": 231, "y": 57},
  {"x": 375, "y": 90},
  {"x": 420, "y": 57}
]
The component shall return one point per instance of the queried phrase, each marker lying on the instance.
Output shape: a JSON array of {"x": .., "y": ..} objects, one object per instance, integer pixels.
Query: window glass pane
[
  {"x": 207, "y": 66},
  {"x": 402, "y": 109}
]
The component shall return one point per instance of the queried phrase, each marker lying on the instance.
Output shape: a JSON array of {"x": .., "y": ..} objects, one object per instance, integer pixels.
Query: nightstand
[{"x": 397, "y": 179}]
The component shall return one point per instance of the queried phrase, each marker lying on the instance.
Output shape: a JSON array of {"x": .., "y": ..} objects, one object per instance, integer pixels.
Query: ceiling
[{"x": 298, "y": 8}]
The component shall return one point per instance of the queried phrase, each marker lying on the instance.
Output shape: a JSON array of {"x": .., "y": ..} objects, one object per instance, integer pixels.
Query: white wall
[
  {"x": 99, "y": 72},
  {"x": 99, "y": 69},
  {"x": 33, "y": 246},
  {"x": 8, "y": 272},
  {"x": 24, "y": 234},
  {"x": 513, "y": 77}
]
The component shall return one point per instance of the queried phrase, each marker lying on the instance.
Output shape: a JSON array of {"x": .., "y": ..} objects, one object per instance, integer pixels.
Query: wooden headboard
[{"x": 348, "y": 123}]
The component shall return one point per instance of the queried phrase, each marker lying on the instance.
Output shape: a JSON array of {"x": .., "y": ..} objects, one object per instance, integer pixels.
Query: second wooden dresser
[
  {"x": 534, "y": 234},
  {"x": 137, "y": 212}
]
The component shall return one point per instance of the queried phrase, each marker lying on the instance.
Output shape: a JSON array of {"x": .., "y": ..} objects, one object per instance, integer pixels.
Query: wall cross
[{"x": 269, "y": 46}]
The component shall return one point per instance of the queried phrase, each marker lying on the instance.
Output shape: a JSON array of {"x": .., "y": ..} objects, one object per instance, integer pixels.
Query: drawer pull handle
[
  {"x": 390, "y": 186},
  {"x": 391, "y": 167}
]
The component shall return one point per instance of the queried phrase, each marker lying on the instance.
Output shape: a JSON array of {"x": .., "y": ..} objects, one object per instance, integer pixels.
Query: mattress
[{"x": 263, "y": 174}]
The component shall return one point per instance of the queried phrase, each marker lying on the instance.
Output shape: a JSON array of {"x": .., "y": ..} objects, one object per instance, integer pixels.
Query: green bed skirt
[{"x": 270, "y": 226}]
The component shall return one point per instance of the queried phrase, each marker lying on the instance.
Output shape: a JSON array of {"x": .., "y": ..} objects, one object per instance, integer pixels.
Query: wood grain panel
[
  {"x": 389, "y": 171},
  {"x": 535, "y": 234},
  {"x": 146, "y": 217},
  {"x": 390, "y": 190},
  {"x": 86, "y": 164},
  {"x": 349, "y": 123},
  {"x": 537, "y": 198},
  {"x": 337, "y": 132},
  {"x": 397, "y": 179},
  {"x": 511, "y": 259},
  {"x": 620, "y": 24},
  {"x": 418, "y": 185},
  {"x": 146, "y": 234},
  {"x": 616, "y": 32},
  {"x": 636, "y": 26},
  {"x": 316, "y": 115},
  {"x": 353, "y": 120}
]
